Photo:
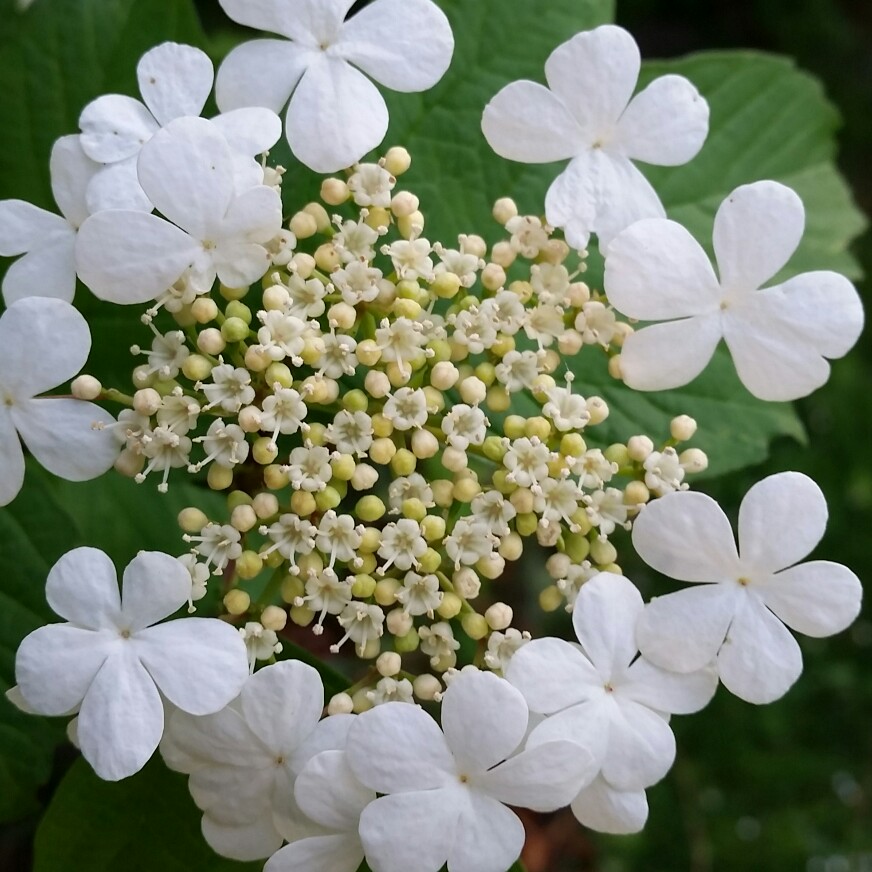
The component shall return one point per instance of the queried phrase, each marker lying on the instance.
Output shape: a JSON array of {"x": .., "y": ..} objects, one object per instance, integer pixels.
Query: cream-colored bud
[
  {"x": 433, "y": 528},
  {"x": 558, "y": 565},
  {"x": 493, "y": 277},
  {"x": 639, "y": 447},
  {"x": 511, "y": 547},
  {"x": 398, "y": 622},
  {"x": 86, "y": 387},
  {"x": 256, "y": 359},
  {"x": 389, "y": 663},
  {"x": 129, "y": 463},
  {"x": 196, "y": 367},
  {"x": 472, "y": 244},
  {"x": 499, "y": 616},
  {"x": 219, "y": 477},
  {"x": 340, "y": 704},
  {"x": 454, "y": 459},
  {"x": 550, "y": 598},
  {"x": 248, "y": 565},
  {"x": 343, "y": 314},
  {"x": 682, "y": 428},
  {"x": 466, "y": 582},
  {"x": 411, "y": 226},
  {"x": 377, "y": 384},
  {"x": 466, "y": 489},
  {"x": 444, "y": 375},
  {"x": 210, "y": 341},
  {"x": 362, "y": 702},
  {"x": 143, "y": 377},
  {"x": 249, "y": 418},
  {"x": 504, "y": 210},
  {"x": 334, "y": 191},
  {"x": 319, "y": 213},
  {"x": 368, "y": 353},
  {"x": 382, "y": 451},
  {"x": 427, "y": 687},
  {"x": 598, "y": 410},
  {"x": 303, "y": 503},
  {"x": 615, "y": 367},
  {"x": 523, "y": 500},
  {"x": 503, "y": 254},
  {"x": 381, "y": 426},
  {"x": 204, "y": 310},
  {"x": 554, "y": 251},
  {"x": 370, "y": 651},
  {"x": 365, "y": 477},
  {"x": 302, "y": 616},
  {"x": 237, "y": 601},
  {"x": 404, "y": 203},
  {"x": 443, "y": 490},
  {"x": 303, "y": 225},
  {"x": 424, "y": 444},
  {"x": 491, "y": 566},
  {"x": 274, "y": 477},
  {"x": 265, "y": 506},
  {"x": 327, "y": 257},
  {"x": 386, "y": 591},
  {"x": 602, "y": 551},
  {"x": 473, "y": 390},
  {"x": 378, "y": 218},
  {"x": 243, "y": 518},
  {"x": 147, "y": 401},
  {"x": 550, "y": 361},
  {"x": 578, "y": 295},
  {"x": 397, "y": 160},
  {"x": 303, "y": 264},
  {"x": 636, "y": 493},
  {"x": 192, "y": 519},
  {"x": 569, "y": 342},
  {"x": 693, "y": 460},
  {"x": 474, "y": 625}
]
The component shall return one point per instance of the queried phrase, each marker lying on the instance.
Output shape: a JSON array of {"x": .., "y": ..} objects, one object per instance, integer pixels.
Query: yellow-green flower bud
[
  {"x": 248, "y": 565},
  {"x": 234, "y": 330},
  {"x": 403, "y": 462},
  {"x": 236, "y": 601},
  {"x": 385, "y": 592},
  {"x": 192, "y": 519},
  {"x": 219, "y": 477},
  {"x": 431, "y": 559},
  {"x": 514, "y": 426},
  {"x": 408, "y": 643},
  {"x": 414, "y": 509},
  {"x": 369, "y": 508},
  {"x": 355, "y": 401},
  {"x": 433, "y": 530},
  {"x": 450, "y": 606},
  {"x": 474, "y": 625},
  {"x": 602, "y": 551},
  {"x": 550, "y": 598},
  {"x": 363, "y": 586}
]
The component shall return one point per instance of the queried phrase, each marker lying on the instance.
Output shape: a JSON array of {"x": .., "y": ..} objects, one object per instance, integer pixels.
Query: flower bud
[
  {"x": 503, "y": 255},
  {"x": 682, "y": 428},
  {"x": 398, "y": 622},
  {"x": 499, "y": 616},
  {"x": 491, "y": 566},
  {"x": 369, "y": 509},
  {"x": 550, "y": 598},
  {"x": 424, "y": 444},
  {"x": 86, "y": 387},
  {"x": 426, "y": 687},
  {"x": 256, "y": 359},
  {"x": 147, "y": 401},
  {"x": 411, "y": 226},
  {"x": 404, "y": 203},
  {"x": 263, "y": 451},
  {"x": 211, "y": 341},
  {"x": 598, "y": 410},
  {"x": 219, "y": 477},
  {"x": 237, "y": 601},
  {"x": 557, "y": 565},
  {"x": 454, "y": 459},
  {"x": 466, "y": 583},
  {"x": 243, "y": 518},
  {"x": 602, "y": 551},
  {"x": 389, "y": 663},
  {"x": 473, "y": 390},
  {"x": 377, "y": 384},
  {"x": 639, "y": 447},
  {"x": 433, "y": 528},
  {"x": 204, "y": 310},
  {"x": 511, "y": 547},
  {"x": 274, "y": 477},
  {"x": 234, "y": 330},
  {"x": 493, "y": 277},
  {"x": 693, "y": 460},
  {"x": 504, "y": 210},
  {"x": 293, "y": 587},
  {"x": 474, "y": 625},
  {"x": 129, "y": 463},
  {"x": 334, "y": 192},
  {"x": 443, "y": 492},
  {"x": 636, "y": 493},
  {"x": 192, "y": 519},
  {"x": 397, "y": 160},
  {"x": 249, "y": 564},
  {"x": 303, "y": 225},
  {"x": 340, "y": 704},
  {"x": 385, "y": 593}
]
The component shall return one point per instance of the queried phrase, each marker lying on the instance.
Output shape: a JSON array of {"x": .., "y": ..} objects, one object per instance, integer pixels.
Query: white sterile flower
[
  {"x": 401, "y": 545},
  {"x": 603, "y": 808},
  {"x": 406, "y": 408},
  {"x": 664, "y": 472},
  {"x": 778, "y": 336},
  {"x": 350, "y": 432},
  {"x": 111, "y": 663},
  {"x": 494, "y": 510},
  {"x": 449, "y": 789},
  {"x": 217, "y": 544},
  {"x": 309, "y": 468},
  {"x": 602, "y": 696},
  {"x": 43, "y": 343},
  {"x": 567, "y": 410},
  {"x": 282, "y": 412},
  {"x": 420, "y": 594},
  {"x": 735, "y": 615},
  {"x": 244, "y": 760},
  {"x": 464, "y": 426},
  {"x": 336, "y": 115},
  {"x": 175, "y": 81},
  {"x": 47, "y": 241},
  {"x": 330, "y": 796},
  {"x": 586, "y": 113},
  {"x": 230, "y": 388},
  {"x": 187, "y": 171}
]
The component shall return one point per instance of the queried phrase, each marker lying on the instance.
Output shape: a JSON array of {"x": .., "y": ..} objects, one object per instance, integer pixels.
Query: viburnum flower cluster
[{"x": 395, "y": 422}]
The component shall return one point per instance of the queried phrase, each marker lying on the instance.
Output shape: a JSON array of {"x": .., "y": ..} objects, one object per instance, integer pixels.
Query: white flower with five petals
[
  {"x": 111, "y": 664},
  {"x": 336, "y": 115},
  {"x": 736, "y": 614},
  {"x": 586, "y": 113},
  {"x": 778, "y": 336},
  {"x": 43, "y": 343}
]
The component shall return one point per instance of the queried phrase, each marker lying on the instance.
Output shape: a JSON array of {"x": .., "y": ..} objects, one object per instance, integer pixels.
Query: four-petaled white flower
[
  {"x": 336, "y": 115},
  {"x": 586, "y": 113},
  {"x": 735, "y": 614},
  {"x": 187, "y": 171},
  {"x": 778, "y": 336},
  {"x": 43, "y": 343},
  {"x": 47, "y": 241},
  {"x": 602, "y": 696},
  {"x": 243, "y": 760},
  {"x": 445, "y": 792},
  {"x": 111, "y": 664},
  {"x": 175, "y": 81}
]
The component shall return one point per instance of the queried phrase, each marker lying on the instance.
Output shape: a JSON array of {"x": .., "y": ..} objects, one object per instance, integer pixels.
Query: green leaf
[{"x": 142, "y": 824}]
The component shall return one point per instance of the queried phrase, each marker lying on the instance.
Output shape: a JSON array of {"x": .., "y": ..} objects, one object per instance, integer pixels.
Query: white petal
[
  {"x": 186, "y": 170},
  {"x": 595, "y": 73},
  {"x": 262, "y": 72},
  {"x": 551, "y": 674},
  {"x": 396, "y": 747},
  {"x": 760, "y": 659},
  {"x": 116, "y": 186},
  {"x": 240, "y": 264},
  {"x": 683, "y": 631},
  {"x": 336, "y": 115},
  {"x": 328, "y": 793},
  {"x": 199, "y": 664},
  {"x": 757, "y": 229},
  {"x": 489, "y": 837},
  {"x": 604, "y": 618},
  {"x": 71, "y": 171},
  {"x": 405, "y": 45},
  {"x": 606, "y": 810},
  {"x": 411, "y": 830},
  {"x": 526, "y": 122},
  {"x": 609, "y": 185},
  {"x": 543, "y": 778},
  {"x": 43, "y": 342},
  {"x": 586, "y": 726},
  {"x": 174, "y": 80},
  {"x": 484, "y": 719},
  {"x": 154, "y": 586},
  {"x": 282, "y": 704},
  {"x": 11, "y": 459},
  {"x": 335, "y": 853},
  {"x": 132, "y": 257},
  {"x": 781, "y": 520},
  {"x": 686, "y": 536},
  {"x": 253, "y": 840},
  {"x": 670, "y": 354},
  {"x": 307, "y": 21},
  {"x": 235, "y": 794},
  {"x": 115, "y": 127},
  {"x": 641, "y": 747},
  {"x": 55, "y": 665},
  {"x": 666, "y": 124},
  {"x": 61, "y": 436},
  {"x": 48, "y": 271},
  {"x": 24, "y": 226},
  {"x": 656, "y": 271},
  {"x": 250, "y": 131},
  {"x": 121, "y": 718},
  {"x": 818, "y": 598},
  {"x": 665, "y": 691},
  {"x": 253, "y": 216},
  {"x": 772, "y": 359},
  {"x": 329, "y": 734},
  {"x": 82, "y": 587}
]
